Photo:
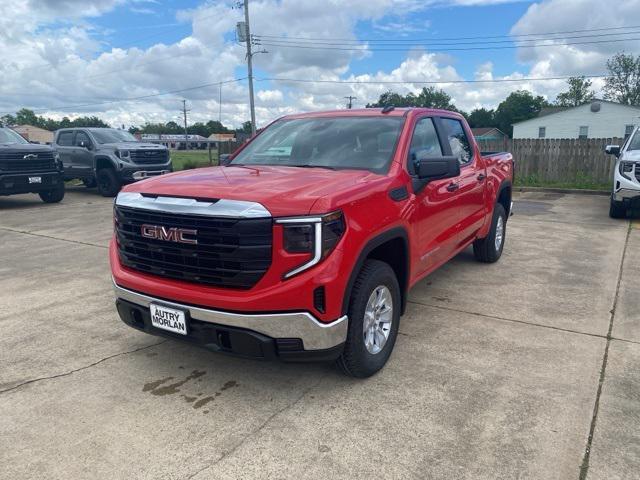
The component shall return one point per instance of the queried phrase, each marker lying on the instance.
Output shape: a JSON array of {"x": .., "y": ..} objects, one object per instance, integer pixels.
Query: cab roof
[{"x": 372, "y": 112}]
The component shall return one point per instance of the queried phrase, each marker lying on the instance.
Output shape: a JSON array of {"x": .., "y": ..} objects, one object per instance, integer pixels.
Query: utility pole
[
  {"x": 186, "y": 136},
  {"x": 220, "y": 104},
  {"x": 250, "y": 67},
  {"x": 351, "y": 99}
]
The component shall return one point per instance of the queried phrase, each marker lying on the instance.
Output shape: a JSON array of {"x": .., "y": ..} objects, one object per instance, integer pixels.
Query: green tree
[
  {"x": 623, "y": 83},
  {"x": 428, "y": 97},
  {"x": 246, "y": 127},
  {"x": 578, "y": 94},
  {"x": 481, "y": 117},
  {"x": 518, "y": 106}
]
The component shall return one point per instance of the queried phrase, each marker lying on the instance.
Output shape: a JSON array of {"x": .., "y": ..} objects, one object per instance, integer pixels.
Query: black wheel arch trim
[
  {"x": 503, "y": 186},
  {"x": 380, "y": 239}
]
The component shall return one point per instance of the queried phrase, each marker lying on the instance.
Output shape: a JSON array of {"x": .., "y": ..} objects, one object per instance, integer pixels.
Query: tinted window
[
  {"x": 82, "y": 137},
  {"x": 65, "y": 139},
  {"x": 460, "y": 145},
  {"x": 363, "y": 143},
  {"x": 111, "y": 135},
  {"x": 634, "y": 144}
]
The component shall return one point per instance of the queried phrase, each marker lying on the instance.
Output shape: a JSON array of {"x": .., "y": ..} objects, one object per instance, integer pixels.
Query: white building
[{"x": 599, "y": 119}]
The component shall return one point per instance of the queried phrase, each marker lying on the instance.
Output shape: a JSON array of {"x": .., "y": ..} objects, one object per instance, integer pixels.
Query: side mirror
[
  {"x": 436, "y": 168},
  {"x": 224, "y": 159},
  {"x": 612, "y": 150},
  {"x": 84, "y": 144}
]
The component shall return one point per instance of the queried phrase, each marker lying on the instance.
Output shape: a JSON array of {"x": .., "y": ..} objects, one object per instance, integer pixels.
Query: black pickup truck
[{"x": 29, "y": 168}]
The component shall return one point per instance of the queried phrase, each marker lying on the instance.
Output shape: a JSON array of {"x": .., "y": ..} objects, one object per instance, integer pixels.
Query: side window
[
  {"x": 425, "y": 141},
  {"x": 458, "y": 141},
  {"x": 82, "y": 139},
  {"x": 65, "y": 139}
]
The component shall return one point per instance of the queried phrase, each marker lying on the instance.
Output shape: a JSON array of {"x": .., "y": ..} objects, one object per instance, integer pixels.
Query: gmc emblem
[
  {"x": 30, "y": 156},
  {"x": 169, "y": 234}
]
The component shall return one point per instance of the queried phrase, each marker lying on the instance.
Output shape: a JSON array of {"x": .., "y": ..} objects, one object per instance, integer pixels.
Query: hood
[
  {"x": 133, "y": 146},
  {"x": 282, "y": 190},
  {"x": 24, "y": 147}
]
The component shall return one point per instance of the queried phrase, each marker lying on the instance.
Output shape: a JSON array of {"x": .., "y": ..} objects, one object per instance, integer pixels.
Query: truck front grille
[
  {"x": 638, "y": 171},
  {"x": 149, "y": 157},
  {"x": 230, "y": 252},
  {"x": 16, "y": 162}
]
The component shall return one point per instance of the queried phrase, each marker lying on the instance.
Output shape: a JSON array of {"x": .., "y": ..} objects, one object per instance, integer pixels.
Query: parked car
[
  {"x": 626, "y": 177},
  {"x": 29, "y": 168},
  {"x": 109, "y": 158},
  {"x": 309, "y": 254}
]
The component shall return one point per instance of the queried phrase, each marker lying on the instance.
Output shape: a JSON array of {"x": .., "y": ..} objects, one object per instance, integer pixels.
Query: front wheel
[
  {"x": 108, "y": 182},
  {"x": 374, "y": 318},
  {"x": 617, "y": 209},
  {"x": 53, "y": 196},
  {"x": 489, "y": 249}
]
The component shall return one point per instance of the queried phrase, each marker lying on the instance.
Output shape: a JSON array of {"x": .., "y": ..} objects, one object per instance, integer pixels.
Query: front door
[
  {"x": 435, "y": 218},
  {"x": 82, "y": 155},
  {"x": 64, "y": 147}
]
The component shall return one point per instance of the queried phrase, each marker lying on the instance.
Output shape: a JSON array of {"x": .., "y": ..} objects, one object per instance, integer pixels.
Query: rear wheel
[
  {"x": 617, "y": 209},
  {"x": 53, "y": 196},
  {"x": 374, "y": 318},
  {"x": 108, "y": 182},
  {"x": 489, "y": 249}
]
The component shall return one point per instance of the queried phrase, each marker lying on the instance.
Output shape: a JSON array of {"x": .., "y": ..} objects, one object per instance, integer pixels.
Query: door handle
[
  {"x": 481, "y": 177},
  {"x": 452, "y": 187}
]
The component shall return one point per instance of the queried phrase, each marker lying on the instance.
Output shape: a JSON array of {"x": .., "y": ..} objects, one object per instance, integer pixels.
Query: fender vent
[{"x": 319, "y": 299}]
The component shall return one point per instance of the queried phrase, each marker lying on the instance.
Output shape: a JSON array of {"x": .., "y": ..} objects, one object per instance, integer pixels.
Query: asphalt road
[{"x": 496, "y": 372}]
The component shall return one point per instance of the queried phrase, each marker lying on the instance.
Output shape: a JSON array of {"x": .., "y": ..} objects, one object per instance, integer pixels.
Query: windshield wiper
[{"x": 306, "y": 165}]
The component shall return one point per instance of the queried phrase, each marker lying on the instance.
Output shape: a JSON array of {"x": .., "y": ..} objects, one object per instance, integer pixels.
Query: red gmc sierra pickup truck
[{"x": 305, "y": 244}]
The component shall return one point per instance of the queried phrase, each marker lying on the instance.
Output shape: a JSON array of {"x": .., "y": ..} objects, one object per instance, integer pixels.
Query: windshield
[
  {"x": 363, "y": 143},
  {"x": 9, "y": 136},
  {"x": 634, "y": 144},
  {"x": 111, "y": 135}
]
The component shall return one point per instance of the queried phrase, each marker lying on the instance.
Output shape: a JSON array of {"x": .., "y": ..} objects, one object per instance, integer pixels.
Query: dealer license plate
[
  {"x": 35, "y": 179},
  {"x": 168, "y": 319}
]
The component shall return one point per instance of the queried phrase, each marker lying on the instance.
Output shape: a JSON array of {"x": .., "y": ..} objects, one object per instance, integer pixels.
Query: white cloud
[{"x": 57, "y": 61}]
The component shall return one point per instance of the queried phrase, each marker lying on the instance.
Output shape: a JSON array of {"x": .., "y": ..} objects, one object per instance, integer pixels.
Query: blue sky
[{"x": 99, "y": 57}]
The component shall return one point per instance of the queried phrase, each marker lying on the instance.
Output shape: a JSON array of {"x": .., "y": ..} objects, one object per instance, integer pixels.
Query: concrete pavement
[{"x": 495, "y": 374}]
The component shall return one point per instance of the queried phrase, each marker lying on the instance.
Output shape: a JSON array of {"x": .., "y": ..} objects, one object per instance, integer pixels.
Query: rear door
[
  {"x": 64, "y": 147},
  {"x": 435, "y": 218},
  {"x": 83, "y": 154},
  {"x": 470, "y": 204}
]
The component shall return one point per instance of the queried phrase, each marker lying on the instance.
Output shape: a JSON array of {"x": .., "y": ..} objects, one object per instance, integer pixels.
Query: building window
[
  {"x": 628, "y": 130},
  {"x": 584, "y": 132},
  {"x": 542, "y": 132}
]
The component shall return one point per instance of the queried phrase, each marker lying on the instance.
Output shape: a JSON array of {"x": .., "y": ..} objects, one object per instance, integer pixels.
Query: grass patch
[
  {"x": 187, "y": 159},
  {"x": 582, "y": 182}
]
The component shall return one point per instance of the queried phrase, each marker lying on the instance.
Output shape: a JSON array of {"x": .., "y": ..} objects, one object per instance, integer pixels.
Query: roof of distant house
[{"x": 482, "y": 131}]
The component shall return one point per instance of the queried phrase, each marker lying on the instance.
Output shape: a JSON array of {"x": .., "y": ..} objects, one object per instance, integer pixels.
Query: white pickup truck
[{"x": 626, "y": 176}]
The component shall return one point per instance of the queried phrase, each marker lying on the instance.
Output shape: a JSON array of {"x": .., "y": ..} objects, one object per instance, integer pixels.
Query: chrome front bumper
[
  {"x": 625, "y": 194},
  {"x": 142, "y": 174},
  {"x": 314, "y": 334}
]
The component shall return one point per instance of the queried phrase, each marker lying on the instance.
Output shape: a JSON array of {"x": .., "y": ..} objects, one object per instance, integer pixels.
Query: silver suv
[{"x": 108, "y": 158}]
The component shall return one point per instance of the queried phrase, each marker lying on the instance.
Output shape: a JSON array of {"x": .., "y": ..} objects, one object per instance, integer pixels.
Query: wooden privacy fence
[{"x": 559, "y": 160}]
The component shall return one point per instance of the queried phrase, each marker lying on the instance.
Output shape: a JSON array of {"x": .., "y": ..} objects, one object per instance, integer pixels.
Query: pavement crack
[
  {"x": 584, "y": 468},
  {"x": 70, "y": 372},
  {"x": 260, "y": 427},
  {"x": 505, "y": 319},
  {"x": 50, "y": 237}
]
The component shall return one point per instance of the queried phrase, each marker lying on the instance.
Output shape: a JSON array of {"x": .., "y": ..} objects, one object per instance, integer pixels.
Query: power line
[
  {"x": 365, "y": 48},
  {"x": 459, "y": 38},
  {"x": 414, "y": 42},
  {"x": 138, "y": 98},
  {"x": 421, "y": 82}
]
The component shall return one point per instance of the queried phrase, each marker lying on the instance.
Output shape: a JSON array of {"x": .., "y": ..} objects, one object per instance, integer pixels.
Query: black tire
[
  {"x": 356, "y": 360},
  {"x": 108, "y": 182},
  {"x": 53, "y": 196},
  {"x": 484, "y": 249},
  {"x": 617, "y": 209},
  {"x": 89, "y": 182}
]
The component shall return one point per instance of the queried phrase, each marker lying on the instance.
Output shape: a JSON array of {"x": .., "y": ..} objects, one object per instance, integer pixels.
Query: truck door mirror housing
[
  {"x": 84, "y": 144},
  {"x": 436, "y": 168},
  {"x": 224, "y": 159},
  {"x": 612, "y": 150}
]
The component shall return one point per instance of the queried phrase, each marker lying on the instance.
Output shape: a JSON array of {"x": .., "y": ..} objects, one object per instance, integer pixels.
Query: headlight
[
  {"x": 122, "y": 153},
  {"x": 317, "y": 236},
  {"x": 626, "y": 169},
  {"x": 58, "y": 162}
]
